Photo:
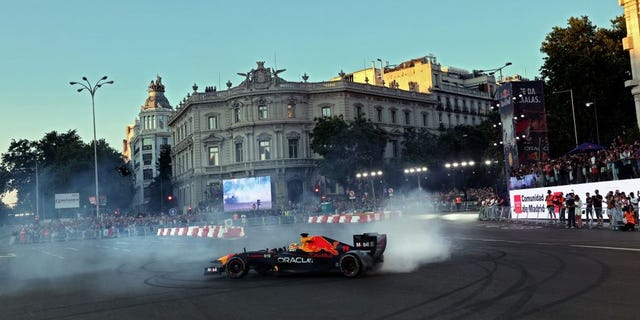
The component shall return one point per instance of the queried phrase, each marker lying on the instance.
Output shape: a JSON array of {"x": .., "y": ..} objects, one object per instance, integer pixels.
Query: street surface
[{"x": 450, "y": 267}]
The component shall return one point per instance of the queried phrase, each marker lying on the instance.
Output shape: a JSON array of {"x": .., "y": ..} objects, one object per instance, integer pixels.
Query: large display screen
[{"x": 246, "y": 194}]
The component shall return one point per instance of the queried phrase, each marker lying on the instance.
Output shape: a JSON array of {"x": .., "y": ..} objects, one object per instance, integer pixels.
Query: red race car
[{"x": 314, "y": 254}]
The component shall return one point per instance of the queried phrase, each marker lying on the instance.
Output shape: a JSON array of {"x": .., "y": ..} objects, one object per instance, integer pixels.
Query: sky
[{"x": 46, "y": 44}]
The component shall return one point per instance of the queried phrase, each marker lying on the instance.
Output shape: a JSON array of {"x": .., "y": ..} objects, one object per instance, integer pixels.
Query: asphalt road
[{"x": 452, "y": 268}]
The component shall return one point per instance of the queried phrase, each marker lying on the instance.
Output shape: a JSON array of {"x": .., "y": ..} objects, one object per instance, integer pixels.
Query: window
[
  {"x": 394, "y": 148},
  {"x": 165, "y": 141},
  {"x": 236, "y": 115},
  {"x": 146, "y": 159},
  {"x": 147, "y": 144},
  {"x": 147, "y": 174},
  {"x": 262, "y": 112},
  {"x": 264, "y": 150},
  {"x": 407, "y": 117},
  {"x": 393, "y": 116},
  {"x": 424, "y": 119},
  {"x": 293, "y": 148},
  {"x": 291, "y": 110},
  {"x": 239, "y": 152},
  {"x": 214, "y": 156},
  {"x": 326, "y": 112},
  {"x": 379, "y": 114},
  {"x": 213, "y": 122},
  {"x": 358, "y": 111}
]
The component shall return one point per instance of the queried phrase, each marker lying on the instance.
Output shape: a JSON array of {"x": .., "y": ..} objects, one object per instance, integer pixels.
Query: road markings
[
  {"x": 51, "y": 254},
  {"x": 8, "y": 255},
  {"x": 606, "y": 248},
  {"x": 73, "y": 249},
  {"x": 548, "y": 243}
]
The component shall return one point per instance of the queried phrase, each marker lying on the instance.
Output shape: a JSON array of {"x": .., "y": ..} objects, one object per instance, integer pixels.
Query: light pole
[
  {"x": 595, "y": 113},
  {"x": 493, "y": 71},
  {"x": 92, "y": 90},
  {"x": 573, "y": 112},
  {"x": 381, "y": 72},
  {"x": 372, "y": 174},
  {"x": 417, "y": 170},
  {"x": 462, "y": 165}
]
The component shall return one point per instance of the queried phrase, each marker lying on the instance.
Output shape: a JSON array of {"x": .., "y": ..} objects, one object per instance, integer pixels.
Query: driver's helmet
[{"x": 293, "y": 247}]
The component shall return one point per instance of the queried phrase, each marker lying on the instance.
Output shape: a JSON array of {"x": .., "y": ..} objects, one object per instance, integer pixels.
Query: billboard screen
[
  {"x": 67, "y": 200},
  {"x": 245, "y": 194}
]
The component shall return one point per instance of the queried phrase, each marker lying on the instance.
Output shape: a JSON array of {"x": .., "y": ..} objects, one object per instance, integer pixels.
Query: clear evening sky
[{"x": 45, "y": 44}]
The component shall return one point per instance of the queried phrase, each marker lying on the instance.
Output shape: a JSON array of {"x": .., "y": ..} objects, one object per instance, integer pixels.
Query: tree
[
  {"x": 347, "y": 147},
  {"x": 161, "y": 188},
  {"x": 591, "y": 62},
  {"x": 64, "y": 165}
]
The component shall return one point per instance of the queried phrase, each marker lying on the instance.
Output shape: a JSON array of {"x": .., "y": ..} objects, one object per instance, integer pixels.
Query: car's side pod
[{"x": 375, "y": 243}]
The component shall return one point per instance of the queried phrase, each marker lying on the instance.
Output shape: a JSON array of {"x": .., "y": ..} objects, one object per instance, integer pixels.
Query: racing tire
[
  {"x": 350, "y": 266},
  {"x": 236, "y": 268}
]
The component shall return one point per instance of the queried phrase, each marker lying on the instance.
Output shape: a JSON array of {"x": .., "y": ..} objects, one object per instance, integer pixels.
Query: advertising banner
[
  {"x": 67, "y": 200},
  {"x": 531, "y": 204}
]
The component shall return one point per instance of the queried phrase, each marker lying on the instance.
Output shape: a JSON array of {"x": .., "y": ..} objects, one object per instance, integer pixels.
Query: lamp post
[
  {"x": 372, "y": 175},
  {"x": 92, "y": 90},
  {"x": 462, "y": 165},
  {"x": 493, "y": 71},
  {"x": 416, "y": 170},
  {"x": 595, "y": 113},
  {"x": 381, "y": 72},
  {"x": 573, "y": 112}
]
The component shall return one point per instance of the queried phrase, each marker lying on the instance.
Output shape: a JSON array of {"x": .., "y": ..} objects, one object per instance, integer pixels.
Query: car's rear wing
[{"x": 375, "y": 243}]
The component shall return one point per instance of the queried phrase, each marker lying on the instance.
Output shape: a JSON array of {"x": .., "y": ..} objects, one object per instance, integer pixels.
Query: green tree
[
  {"x": 64, "y": 165},
  {"x": 161, "y": 187},
  {"x": 591, "y": 62},
  {"x": 347, "y": 147}
]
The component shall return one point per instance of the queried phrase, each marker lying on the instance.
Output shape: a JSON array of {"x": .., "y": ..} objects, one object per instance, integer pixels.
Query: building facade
[
  {"x": 145, "y": 139},
  {"x": 262, "y": 126},
  {"x": 631, "y": 43},
  {"x": 462, "y": 97}
]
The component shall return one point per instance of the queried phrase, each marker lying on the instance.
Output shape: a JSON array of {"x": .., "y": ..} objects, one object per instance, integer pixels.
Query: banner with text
[
  {"x": 531, "y": 204},
  {"x": 67, "y": 200}
]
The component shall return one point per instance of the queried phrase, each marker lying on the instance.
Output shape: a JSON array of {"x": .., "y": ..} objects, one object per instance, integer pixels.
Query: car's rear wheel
[
  {"x": 350, "y": 266},
  {"x": 236, "y": 268}
]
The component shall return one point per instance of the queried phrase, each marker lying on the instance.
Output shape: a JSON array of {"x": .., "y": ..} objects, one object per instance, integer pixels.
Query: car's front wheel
[
  {"x": 350, "y": 265},
  {"x": 236, "y": 268}
]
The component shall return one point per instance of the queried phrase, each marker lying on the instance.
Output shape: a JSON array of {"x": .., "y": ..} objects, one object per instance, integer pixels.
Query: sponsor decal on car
[{"x": 294, "y": 260}]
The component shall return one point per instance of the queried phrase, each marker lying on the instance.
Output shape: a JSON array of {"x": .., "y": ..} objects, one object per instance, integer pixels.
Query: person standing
[
  {"x": 551, "y": 208},
  {"x": 589, "y": 209},
  {"x": 578, "y": 209},
  {"x": 597, "y": 207},
  {"x": 570, "y": 203}
]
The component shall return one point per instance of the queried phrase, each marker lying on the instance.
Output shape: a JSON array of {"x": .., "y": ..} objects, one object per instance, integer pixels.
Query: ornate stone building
[
  {"x": 145, "y": 138},
  {"x": 631, "y": 43},
  {"x": 462, "y": 97},
  {"x": 261, "y": 127}
]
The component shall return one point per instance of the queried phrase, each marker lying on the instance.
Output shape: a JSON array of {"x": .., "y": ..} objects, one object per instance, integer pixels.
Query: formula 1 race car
[{"x": 314, "y": 254}]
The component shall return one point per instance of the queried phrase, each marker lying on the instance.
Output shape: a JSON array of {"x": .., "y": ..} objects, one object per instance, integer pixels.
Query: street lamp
[
  {"x": 372, "y": 174},
  {"x": 381, "y": 72},
  {"x": 573, "y": 112},
  {"x": 416, "y": 170},
  {"x": 92, "y": 90},
  {"x": 595, "y": 113},
  {"x": 493, "y": 71},
  {"x": 462, "y": 164}
]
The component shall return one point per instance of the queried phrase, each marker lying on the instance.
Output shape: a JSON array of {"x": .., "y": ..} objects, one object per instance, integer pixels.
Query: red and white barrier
[
  {"x": 217, "y": 232},
  {"x": 355, "y": 218}
]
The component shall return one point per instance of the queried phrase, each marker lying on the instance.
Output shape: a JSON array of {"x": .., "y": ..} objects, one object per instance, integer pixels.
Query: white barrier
[
  {"x": 217, "y": 232},
  {"x": 531, "y": 203}
]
